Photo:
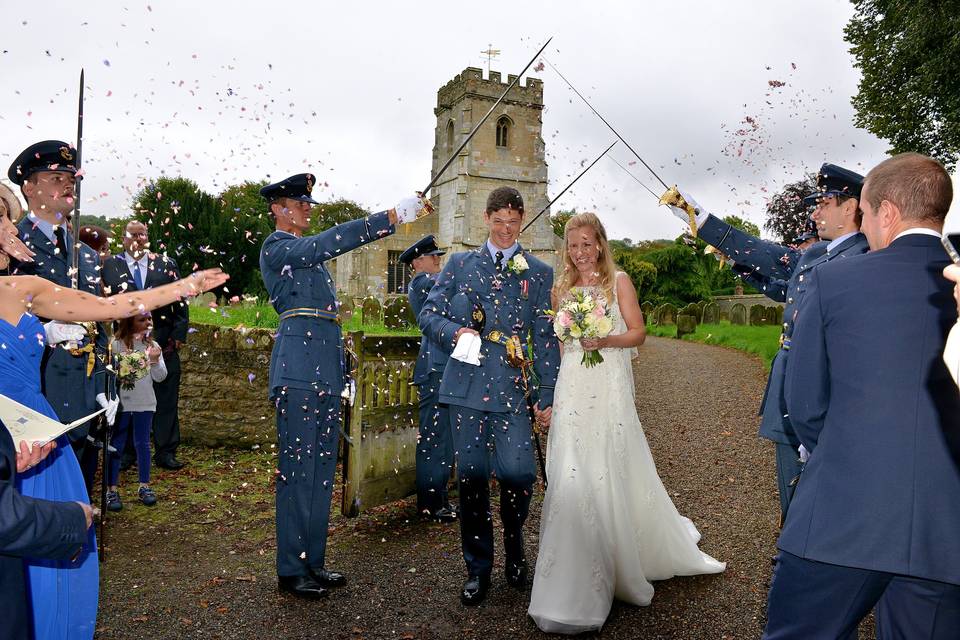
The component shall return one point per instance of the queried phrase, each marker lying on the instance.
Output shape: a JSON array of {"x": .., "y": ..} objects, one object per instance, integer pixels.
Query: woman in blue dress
[{"x": 63, "y": 594}]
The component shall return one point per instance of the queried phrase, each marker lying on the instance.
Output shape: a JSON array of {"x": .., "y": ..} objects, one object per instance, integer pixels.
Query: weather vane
[{"x": 491, "y": 53}]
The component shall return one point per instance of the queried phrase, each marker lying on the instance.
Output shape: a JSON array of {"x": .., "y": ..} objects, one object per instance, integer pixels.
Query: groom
[{"x": 501, "y": 294}]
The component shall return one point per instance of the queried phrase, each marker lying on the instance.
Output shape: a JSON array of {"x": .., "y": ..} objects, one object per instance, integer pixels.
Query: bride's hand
[{"x": 593, "y": 344}]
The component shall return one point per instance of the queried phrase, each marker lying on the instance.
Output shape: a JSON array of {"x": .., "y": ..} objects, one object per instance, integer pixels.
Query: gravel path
[{"x": 200, "y": 576}]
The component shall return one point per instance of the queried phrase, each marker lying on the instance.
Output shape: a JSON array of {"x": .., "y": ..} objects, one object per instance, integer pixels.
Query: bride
[{"x": 608, "y": 526}]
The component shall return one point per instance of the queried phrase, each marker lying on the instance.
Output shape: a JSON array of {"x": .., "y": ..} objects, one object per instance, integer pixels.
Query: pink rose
[
  {"x": 564, "y": 319},
  {"x": 599, "y": 311}
]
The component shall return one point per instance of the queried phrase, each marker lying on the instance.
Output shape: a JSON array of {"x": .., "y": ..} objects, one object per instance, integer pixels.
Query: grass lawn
[
  {"x": 762, "y": 341},
  {"x": 264, "y": 316}
]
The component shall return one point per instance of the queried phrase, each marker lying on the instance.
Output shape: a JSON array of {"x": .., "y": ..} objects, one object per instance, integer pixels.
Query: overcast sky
[{"x": 222, "y": 92}]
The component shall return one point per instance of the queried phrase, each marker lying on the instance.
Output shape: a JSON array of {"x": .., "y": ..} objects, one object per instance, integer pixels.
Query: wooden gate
[{"x": 380, "y": 464}]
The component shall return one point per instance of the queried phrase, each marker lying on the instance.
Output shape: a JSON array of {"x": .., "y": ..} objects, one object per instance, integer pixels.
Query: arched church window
[
  {"x": 450, "y": 136},
  {"x": 503, "y": 131}
]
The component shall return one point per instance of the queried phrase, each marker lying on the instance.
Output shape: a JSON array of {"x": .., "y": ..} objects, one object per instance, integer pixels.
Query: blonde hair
[{"x": 605, "y": 266}]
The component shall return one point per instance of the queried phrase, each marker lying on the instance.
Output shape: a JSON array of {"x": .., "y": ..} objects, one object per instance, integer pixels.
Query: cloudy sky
[{"x": 729, "y": 100}]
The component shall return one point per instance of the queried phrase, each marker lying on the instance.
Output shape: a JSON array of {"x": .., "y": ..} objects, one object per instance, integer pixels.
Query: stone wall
[{"x": 223, "y": 391}]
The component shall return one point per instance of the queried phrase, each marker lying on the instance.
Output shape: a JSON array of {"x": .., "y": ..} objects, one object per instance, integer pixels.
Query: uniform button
[{"x": 786, "y": 325}]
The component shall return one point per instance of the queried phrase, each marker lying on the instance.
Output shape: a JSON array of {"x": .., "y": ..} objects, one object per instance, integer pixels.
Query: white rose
[{"x": 519, "y": 263}]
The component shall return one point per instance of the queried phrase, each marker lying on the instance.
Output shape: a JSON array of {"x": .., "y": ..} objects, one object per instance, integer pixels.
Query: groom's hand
[{"x": 543, "y": 416}]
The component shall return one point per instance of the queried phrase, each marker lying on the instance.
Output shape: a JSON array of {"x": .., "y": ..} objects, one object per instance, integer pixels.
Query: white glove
[
  {"x": 58, "y": 332},
  {"x": 804, "y": 454},
  {"x": 702, "y": 214},
  {"x": 111, "y": 407},
  {"x": 409, "y": 209}
]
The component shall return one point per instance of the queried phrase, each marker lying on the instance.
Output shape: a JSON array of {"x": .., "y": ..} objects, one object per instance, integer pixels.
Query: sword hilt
[{"x": 673, "y": 198}]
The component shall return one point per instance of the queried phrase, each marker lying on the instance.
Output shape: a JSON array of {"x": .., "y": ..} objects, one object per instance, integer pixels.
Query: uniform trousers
[
  {"x": 434, "y": 448},
  {"x": 812, "y": 600},
  {"x": 308, "y": 430},
  {"x": 501, "y": 443}
]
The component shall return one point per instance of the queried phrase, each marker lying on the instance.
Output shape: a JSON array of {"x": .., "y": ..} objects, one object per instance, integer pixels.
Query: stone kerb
[
  {"x": 397, "y": 313},
  {"x": 758, "y": 315},
  {"x": 372, "y": 312},
  {"x": 223, "y": 388},
  {"x": 711, "y": 313},
  {"x": 738, "y": 314},
  {"x": 666, "y": 314}
]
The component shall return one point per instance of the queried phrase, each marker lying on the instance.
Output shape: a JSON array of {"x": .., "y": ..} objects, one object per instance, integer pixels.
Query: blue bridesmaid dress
[{"x": 62, "y": 594}]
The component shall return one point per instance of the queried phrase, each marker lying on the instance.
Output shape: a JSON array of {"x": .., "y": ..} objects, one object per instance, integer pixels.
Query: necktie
[
  {"x": 137, "y": 278},
  {"x": 499, "y": 258},
  {"x": 61, "y": 240}
]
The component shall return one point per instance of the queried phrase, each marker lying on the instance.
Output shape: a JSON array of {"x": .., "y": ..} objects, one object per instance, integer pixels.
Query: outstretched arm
[
  {"x": 48, "y": 300},
  {"x": 281, "y": 250}
]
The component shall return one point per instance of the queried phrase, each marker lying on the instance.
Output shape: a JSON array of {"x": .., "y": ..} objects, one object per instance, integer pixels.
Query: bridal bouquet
[
  {"x": 131, "y": 366},
  {"x": 582, "y": 315}
]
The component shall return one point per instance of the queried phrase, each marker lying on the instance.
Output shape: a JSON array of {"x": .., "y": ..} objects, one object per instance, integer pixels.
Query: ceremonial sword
[
  {"x": 476, "y": 128},
  {"x": 672, "y": 195},
  {"x": 75, "y": 261}
]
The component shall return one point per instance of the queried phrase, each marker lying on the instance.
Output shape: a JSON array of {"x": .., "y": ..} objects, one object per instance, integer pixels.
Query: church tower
[{"x": 507, "y": 151}]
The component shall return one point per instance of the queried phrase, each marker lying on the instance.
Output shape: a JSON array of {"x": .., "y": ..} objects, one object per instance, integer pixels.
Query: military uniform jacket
[
  {"x": 870, "y": 397},
  {"x": 171, "y": 322},
  {"x": 773, "y": 288},
  {"x": 517, "y": 307},
  {"x": 71, "y": 393},
  {"x": 432, "y": 357},
  {"x": 775, "y": 421},
  {"x": 308, "y": 351}
]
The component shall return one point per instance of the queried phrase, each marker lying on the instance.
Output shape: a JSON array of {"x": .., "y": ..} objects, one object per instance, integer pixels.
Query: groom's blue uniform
[
  {"x": 306, "y": 380},
  {"x": 774, "y": 261},
  {"x": 876, "y": 512},
  {"x": 434, "y": 446},
  {"x": 488, "y": 410}
]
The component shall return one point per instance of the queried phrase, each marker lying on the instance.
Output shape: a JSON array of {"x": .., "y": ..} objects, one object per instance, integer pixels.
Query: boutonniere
[{"x": 518, "y": 264}]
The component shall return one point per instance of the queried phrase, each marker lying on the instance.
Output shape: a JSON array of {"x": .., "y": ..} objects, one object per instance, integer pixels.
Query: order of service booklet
[{"x": 24, "y": 423}]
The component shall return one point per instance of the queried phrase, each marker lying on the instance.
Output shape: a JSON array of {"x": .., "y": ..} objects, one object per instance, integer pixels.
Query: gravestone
[
  {"x": 397, "y": 313},
  {"x": 372, "y": 313},
  {"x": 686, "y": 324},
  {"x": 346, "y": 309},
  {"x": 772, "y": 315},
  {"x": 667, "y": 314},
  {"x": 724, "y": 314},
  {"x": 758, "y": 315},
  {"x": 738, "y": 314},
  {"x": 711, "y": 313},
  {"x": 693, "y": 309},
  {"x": 647, "y": 309}
]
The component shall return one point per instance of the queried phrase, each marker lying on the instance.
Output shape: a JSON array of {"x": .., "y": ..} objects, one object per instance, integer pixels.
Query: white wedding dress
[{"x": 608, "y": 527}]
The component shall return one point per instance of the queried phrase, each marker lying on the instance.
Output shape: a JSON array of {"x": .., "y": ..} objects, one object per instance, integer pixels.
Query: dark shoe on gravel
[
  {"x": 328, "y": 579},
  {"x": 475, "y": 590},
  {"x": 302, "y": 587},
  {"x": 147, "y": 496},
  {"x": 113, "y": 501}
]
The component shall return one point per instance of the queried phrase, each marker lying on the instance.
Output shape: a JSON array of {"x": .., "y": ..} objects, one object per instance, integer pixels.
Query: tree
[
  {"x": 786, "y": 213},
  {"x": 909, "y": 54},
  {"x": 328, "y": 214},
  {"x": 558, "y": 221}
]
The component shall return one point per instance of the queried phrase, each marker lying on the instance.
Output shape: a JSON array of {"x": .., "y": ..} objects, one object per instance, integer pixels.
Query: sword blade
[
  {"x": 639, "y": 181},
  {"x": 557, "y": 197},
  {"x": 75, "y": 262},
  {"x": 609, "y": 126},
  {"x": 476, "y": 128}
]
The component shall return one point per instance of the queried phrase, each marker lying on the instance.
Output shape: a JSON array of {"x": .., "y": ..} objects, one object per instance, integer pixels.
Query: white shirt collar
[
  {"x": 131, "y": 260},
  {"x": 836, "y": 241},
  {"x": 917, "y": 230},
  {"x": 46, "y": 227},
  {"x": 507, "y": 253}
]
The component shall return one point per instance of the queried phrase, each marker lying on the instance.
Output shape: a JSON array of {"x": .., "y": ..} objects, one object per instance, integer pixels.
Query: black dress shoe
[
  {"x": 475, "y": 590},
  {"x": 169, "y": 462},
  {"x": 516, "y": 573},
  {"x": 328, "y": 579},
  {"x": 302, "y": 587},
  {"x": 445, "y": 514}
]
